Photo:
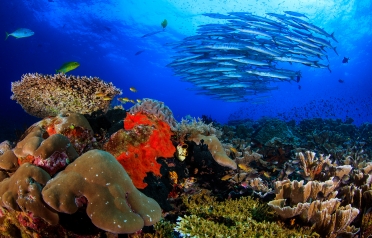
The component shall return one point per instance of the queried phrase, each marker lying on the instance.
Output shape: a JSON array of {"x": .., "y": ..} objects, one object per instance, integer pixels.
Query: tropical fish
[
  {"x": 341, "y": 81},
  {"x": 107, "y": 98},
  {"x": 138, "y": 100},
  {"x": 226, "y": 177},
  {"x": 20, "y": 33},
  {"x": 133, "y": 89},
  {"x": 245, "y": 167},
  {"x": 345, "y": 60},
  {"x": 66, "y": 67},
  {"x": 164, "y": 23},
  {"x": 100, "y": 94},
  {"x": 232, "y": 149}
]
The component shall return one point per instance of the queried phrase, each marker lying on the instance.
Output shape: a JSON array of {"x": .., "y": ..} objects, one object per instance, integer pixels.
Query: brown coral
[
  {"x": 49, "y": 95},
  {"x": 216, "y": 149},
  {"x": 22, "y": 191},
  {"x": 114, "y": 204}
]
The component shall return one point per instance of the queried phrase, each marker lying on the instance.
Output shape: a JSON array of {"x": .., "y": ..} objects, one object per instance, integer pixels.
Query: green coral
[{"x": 244, "y": 217}]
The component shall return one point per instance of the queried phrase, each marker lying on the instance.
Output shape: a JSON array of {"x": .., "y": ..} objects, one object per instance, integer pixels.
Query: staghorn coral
[
  {"x": 113, "y": 203},
  {"x": 150, "y": 139},
  {"x": 49, "y": 95},
  {"x": 157, "y": 109}
]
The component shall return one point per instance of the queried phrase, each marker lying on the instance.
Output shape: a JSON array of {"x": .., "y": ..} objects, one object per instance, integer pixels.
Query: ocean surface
[{"x": 104, "y": 37}]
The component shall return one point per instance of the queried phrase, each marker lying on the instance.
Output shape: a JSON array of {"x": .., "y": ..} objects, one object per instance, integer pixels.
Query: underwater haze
[{"x": 107, "y": 39}]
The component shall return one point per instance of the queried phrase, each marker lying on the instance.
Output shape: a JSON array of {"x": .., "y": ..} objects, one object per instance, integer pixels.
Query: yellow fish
[
  {"x": 133, "y": 89},
  {"x": 235, "y": 151},
  {"x": 226, "y": 177},
  {"x": 139, "y": 100},
  {"x": 244, "y": 167},
  {"x": 132, "y": 101},
  {"x": 66, "y": 67},
  {"x": 100, "y": 94},
  {"x": 107, "y": 98}
]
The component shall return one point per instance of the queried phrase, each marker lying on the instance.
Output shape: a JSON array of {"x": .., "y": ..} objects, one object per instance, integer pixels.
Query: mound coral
[
  {"x": 144, "y": 139},
  {"x": 49, "y": 95},
  {"x": 113, "y": 203}
]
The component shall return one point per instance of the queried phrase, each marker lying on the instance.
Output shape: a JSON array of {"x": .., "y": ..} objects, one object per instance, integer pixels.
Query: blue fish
[{"x": 20, "y": 33}]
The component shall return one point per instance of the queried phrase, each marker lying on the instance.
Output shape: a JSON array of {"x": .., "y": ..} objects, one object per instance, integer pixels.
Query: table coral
[
  {"x": 113, "y": 203},
  {"x": 49, "y": 95}
]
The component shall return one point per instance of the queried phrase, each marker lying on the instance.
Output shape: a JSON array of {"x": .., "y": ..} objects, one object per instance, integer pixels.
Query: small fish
[
  {"x": 299, "y": 87},
  {"x": 133, "y": 89},
  {"x": 226, "y": 177},
  {"x": 296, "y": 14},
  {"x": 139, "y": 52},
  {"x": 20, "y": 33},
  {"x": 107, "y": 98},
  {"x": 266, "y": 174},
  {"x": 292, "y": 221},
  {"x": 132, "y": 101},
  {"x": 232, "y": 149},
  {"x": 139, "y": 100},
  {"x": 164, "y": 23},
  {"x": 100, "y": 94},
  {"x": 66, "y": 67},
  {"x": 341, "y": 81},
  {"x": 244, "y": 167},
  {"x": 345, "y": 60}
]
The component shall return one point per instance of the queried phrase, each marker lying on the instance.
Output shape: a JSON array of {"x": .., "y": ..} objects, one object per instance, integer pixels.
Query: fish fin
[
  {"x": 334, "y": 48},
  {"x": 7, "y": 35},
  {"x": 329, "y": 68},
  {"x": 333, "y": 37}
]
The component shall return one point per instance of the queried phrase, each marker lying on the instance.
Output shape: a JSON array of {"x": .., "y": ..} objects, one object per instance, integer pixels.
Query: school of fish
[{"x": 241, "y": 59}]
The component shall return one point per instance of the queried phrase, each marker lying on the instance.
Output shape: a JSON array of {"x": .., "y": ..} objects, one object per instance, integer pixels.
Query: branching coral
[
  {"x": 230, "y": 218},
  {"x": 49, "y": 95}
]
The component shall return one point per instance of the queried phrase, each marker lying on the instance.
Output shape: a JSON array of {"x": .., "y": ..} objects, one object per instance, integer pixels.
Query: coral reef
[
  {"x": 113, "y": 203},
  {"x": 144, "y": 139},
  {"x": 49, "y": 95},
  {"x": 157, "y": 109},
  {"x": 242, "y": 217}
]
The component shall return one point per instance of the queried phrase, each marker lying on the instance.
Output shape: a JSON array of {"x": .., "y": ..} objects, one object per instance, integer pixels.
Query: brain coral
[{"x": 49, "y": 95}]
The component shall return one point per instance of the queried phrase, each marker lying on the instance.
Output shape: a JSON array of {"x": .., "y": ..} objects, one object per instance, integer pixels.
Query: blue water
[{"x": 103, "y": 36}]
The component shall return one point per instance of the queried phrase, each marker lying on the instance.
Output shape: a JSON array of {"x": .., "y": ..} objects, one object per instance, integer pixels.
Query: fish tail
[
  {"x": 7, "y": 35},
  {"x": 333, "y": 37},
  {"x": 334, "y": 48},
  {"x": 329, "y": 68}
]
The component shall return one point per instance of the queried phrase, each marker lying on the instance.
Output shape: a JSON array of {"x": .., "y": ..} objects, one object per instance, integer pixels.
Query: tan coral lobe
[{"x": 114, "y": 204}]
